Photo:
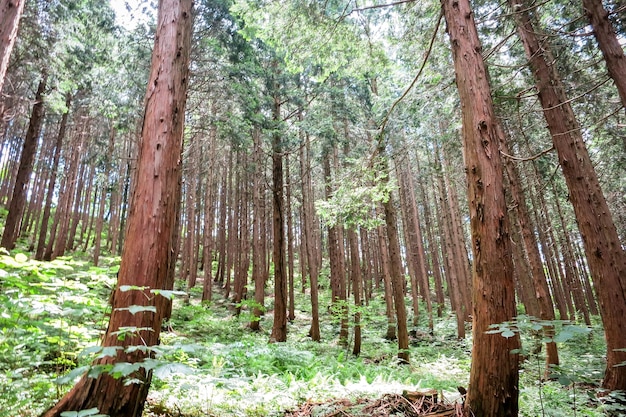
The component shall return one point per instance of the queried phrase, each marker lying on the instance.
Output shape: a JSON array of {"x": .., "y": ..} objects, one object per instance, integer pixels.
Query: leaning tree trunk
[
  {"x": 540, "y": 282},
  {"x": 609, "y": 45},
  {"x": 11, "y": 12},
  {"x": 151, "y": 225},
  {"x": 20, "y": 189},
  {"x": 43, "y": 229},
  {"x": 493, "y": 387},
  {"x": 605, "y": 255}
]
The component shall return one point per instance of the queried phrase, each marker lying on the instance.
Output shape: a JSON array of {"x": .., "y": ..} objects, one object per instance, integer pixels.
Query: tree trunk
[
  {"x": 337, "y": 262},
  {"x": 609, "y": 44},
  {"x": 290, "y": 251},
  {"x": 279, "y": 328},
  {"x": 493, "y": 387},
  {"x": 385, "y": 270},
  {"x": 103, "y": 195},
  {"x": 540, "y": 283},
  {"x": 433, "y": 250},
  {"x": 151, "y": 225},
  {"x": 605, "y": 255},
  {"x": 397, "y": 275},
  {"x": 309, "y": 236},
  {"x": 20, "y": 189},
  {"x": 356, "y": 288},
  {"x": 451, "y": 262},
  {"x": 258, "y": 253},
  {"x": 11, "y": 12}
]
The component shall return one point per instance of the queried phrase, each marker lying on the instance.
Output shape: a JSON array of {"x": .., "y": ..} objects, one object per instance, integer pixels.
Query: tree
[
  {"x": 11, "y": 12},
  {"x": 279, "y": 328},
  {"x": 493, "y": 387},
  {"x": 151, "y": 227},
  {"x": 20, "y": 190},
  {"x": 605, "y": 255},
  {"x": 608, "y": 43}
]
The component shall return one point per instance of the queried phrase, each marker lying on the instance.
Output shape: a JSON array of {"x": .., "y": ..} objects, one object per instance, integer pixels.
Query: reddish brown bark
[
  {"x": 308, "y": 236},
  {"x": 540, "y": 283},
  {"x": 605, "y": 255},
  {"x": 258, "y": 226},
  {"x": 609, "y": 45},
  {"x": 11, "y": 12},
  {"x": 20, "y": 188},
  {"x": 493, "y": 387},
  {"x": 102, "y": 203},
  {"x": 279, "y": 328},
  {"x": 151, "y": 226},
  {"x": 385, "y": 271},
  {"x": 337, "y": 262}
]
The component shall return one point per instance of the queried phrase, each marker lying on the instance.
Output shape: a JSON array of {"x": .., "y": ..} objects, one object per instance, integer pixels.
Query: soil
[{"x": 409, "y": 404}]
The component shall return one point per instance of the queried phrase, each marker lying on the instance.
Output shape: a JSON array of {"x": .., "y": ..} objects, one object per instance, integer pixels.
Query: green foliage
[
  {"x": 50, "y": 311},
  {"x": 355, "y": 198}
]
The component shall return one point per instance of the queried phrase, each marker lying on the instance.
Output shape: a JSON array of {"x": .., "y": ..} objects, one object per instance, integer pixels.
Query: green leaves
[
  {"x": 354, "y": 200},
  {"x": 134, "y": 309},
  {"x": 92, "y": 412}
]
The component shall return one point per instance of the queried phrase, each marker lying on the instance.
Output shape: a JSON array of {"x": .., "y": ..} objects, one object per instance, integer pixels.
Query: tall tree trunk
[
  {"x": 309, "y": 235},
  {"x": 605, "y": 255},
  {"x": 540, "y": 283},
  {"x": 151, "y": 225},
  {"x": 20, "y": 189},
  {"x": 290, "y": 251},
  {"x": 385, "y": 271},
  {"x": 337, "y": 262},
  {"x": 56, "y": 246},
  {"x": 279, "y": 327},
  {"x": 419, "y": 242},
  {"x": 433, "y": 250},
  {"x": 609, "y": 44},
  {"x": 451, "y": 261},
  {"x": 258, "y": 252},
  {"x": 11, "y": 12},
  {"x": 103, "y": 195},
  {"x": 493, "y": 387},
  {"x": 355, "y": 271},
  {"x": 395, "y": 267}
]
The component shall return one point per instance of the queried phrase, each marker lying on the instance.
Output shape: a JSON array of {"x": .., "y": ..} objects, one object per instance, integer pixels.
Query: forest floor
[{"x": 210, "y": 364}]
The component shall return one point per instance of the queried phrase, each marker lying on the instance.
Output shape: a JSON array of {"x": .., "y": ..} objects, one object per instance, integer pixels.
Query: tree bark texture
[
  {"x": 493, "y": 387},
  {"x": 11, "y": 12},
  {"x": 151, "y": 225},
  {"x": 20, "y": 188},
  {"x": 605, "y": 255},
  {"x": 612, "y": 51},
  {"x": 279, "y": 328},
  {"x": 540, "y": 282}
]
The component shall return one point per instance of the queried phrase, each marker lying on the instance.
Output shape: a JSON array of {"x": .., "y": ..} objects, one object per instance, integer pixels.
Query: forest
[{"x": 312, "y": 208}]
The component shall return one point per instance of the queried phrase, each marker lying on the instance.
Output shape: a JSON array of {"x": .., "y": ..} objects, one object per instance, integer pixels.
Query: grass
[{"x": 211, "y": 364}]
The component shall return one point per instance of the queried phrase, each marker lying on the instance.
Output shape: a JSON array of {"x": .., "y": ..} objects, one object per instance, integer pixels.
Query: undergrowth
[{"x": 214, "y": 365}]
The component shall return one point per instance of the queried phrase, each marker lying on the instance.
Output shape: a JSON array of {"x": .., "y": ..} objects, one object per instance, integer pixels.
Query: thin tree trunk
[
  {"x": 29, "y": 150},
  {"x": 100, "y": 220},
  {"x": 309, "y": 236},
  {"x": 279, "y": 327},
  {"x": 290, "y": 251},
  {"x": 605, "y": 255},
  {"x": 355, "y": 271},
  {"x": 434, "y": 252},
  {"x": 388, "y": 290},
  {"x": 540, "y": 282}
]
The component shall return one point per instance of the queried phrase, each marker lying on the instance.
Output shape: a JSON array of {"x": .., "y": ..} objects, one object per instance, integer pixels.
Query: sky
[{"x": 130, "y": 19}]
